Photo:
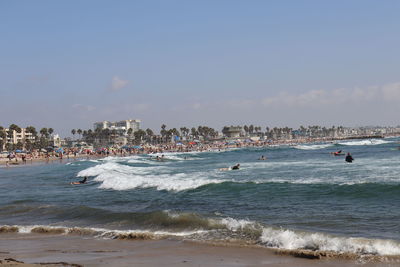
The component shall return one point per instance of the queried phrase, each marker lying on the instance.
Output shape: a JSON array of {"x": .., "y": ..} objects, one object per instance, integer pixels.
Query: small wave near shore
[{"x": 233, "y": 231}]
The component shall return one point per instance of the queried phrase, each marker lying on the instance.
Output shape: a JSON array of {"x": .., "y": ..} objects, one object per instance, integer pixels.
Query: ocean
[{"x": 300, "y": 197}]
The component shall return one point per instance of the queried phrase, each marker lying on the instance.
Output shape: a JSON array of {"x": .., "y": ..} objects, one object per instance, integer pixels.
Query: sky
[{"x": 68, "y": 64}]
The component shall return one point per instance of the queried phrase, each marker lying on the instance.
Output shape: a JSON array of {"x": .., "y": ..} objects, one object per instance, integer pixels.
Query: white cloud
[
  {"x": 319, "y": 98},
  {"x": 391, "y": 92},
  {"x": 117, "y": 83}
]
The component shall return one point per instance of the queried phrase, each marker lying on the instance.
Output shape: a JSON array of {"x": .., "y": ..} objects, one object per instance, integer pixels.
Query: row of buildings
[
  {"x": 23, "y": 136},
  {"x": 19, "y": 139},
  {"x": 123, "y": 130}
]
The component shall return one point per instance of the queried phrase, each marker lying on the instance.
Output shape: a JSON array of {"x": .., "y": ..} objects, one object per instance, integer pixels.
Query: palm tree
[
  {"x": 44, "y": 132},
  {"x": 194, "y": 133},
  {"x": 79, "y": 131},
  {"x": 43, "y": 142},
  {"x": 139, "y": 134},
  {"x": 73, "y": 131},
  {"x": 149, "y": 132},
  {"x": 129, "y": 132},
  {"x": 12, "y": 128},
  {"x": 163, "y": 132},
  {"x": 32, "y": 130},
  {"x": 51, "y": 131},
  {"x": 106, "y": 134},
  {"x": 84, "y": 134},
  {"x": 246, "y": 130},
  {"x": 34, "y": 142},
  {"x": 3, "y": 136},
  {"x": 251, "y": 129}
]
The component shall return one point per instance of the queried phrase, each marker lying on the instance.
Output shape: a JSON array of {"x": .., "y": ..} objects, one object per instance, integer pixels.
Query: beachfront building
[
  {"x": 18, "y": 137},
  {"x": 57, "y": 141},
  {"x": 121, "y": 127},
  {"x": 120, "y": 130},
  {"x": 232, "y": 131}
]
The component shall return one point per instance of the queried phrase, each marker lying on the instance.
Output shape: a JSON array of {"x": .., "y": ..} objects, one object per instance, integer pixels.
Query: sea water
[{"x": 300, "y": 197}]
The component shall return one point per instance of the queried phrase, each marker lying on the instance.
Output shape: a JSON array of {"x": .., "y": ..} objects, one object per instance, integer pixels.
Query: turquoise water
[{"x": 301, "y": 197}]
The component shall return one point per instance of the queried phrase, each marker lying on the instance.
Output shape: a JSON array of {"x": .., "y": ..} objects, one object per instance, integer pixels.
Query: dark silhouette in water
[
  {"x": 236, "y": 167},
  {"x": 349, "y": 158},
  {"x": 81, "y": 182}
]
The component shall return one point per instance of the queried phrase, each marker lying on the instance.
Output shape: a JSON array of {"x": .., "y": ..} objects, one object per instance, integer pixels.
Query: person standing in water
[{"x": 349, "y": 158}]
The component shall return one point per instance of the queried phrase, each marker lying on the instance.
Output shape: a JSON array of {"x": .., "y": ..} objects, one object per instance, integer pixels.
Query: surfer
[
  {"x": 337, "y": 153},
  {"x": 81, "y": 182},
  {"x": 235, "y": 167},
  {"x": 349, "y": 158},
  {"x": 262, "y": 158}
]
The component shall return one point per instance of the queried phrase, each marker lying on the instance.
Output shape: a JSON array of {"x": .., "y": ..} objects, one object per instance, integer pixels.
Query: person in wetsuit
[
  {"x": 81, "y": 182},
  {"x": 236, "y": 167},
  {"x": 349, "y": 158}
]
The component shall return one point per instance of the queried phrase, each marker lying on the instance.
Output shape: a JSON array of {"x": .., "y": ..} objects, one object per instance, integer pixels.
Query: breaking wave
[
  {"x": 229, "y": 230},
  {"x": 313, "y": 147},
  {"x": 294, "y": 240},
  {"x": 116, "y": 176},
  {"x": 368, "y": 142}
]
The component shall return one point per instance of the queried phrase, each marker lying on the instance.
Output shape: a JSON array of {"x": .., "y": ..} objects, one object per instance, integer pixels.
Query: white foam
[
  {"x": 122, "y": 177},
  {"x": 234, "y": 224},
  {"x": 313, "y": 147},
  {"x": 103, "y": 232},
  {"x": 288, "y": 239},
  {"x": 176, "y": 156},
  {"x": 368, "y": 142}
]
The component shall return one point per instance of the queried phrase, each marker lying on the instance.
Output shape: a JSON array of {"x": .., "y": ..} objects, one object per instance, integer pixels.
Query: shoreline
[
  {"x": 60, "y": 250},
  {"x": 43, "y": 161},
  {"x": 169, "y": 148}
]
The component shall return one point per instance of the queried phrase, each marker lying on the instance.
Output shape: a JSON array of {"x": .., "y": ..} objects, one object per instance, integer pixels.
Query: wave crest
[
  {"x": 288, "y": 239},
  {"x": 122, "y": 177},
  {"x": 368, "y": 142},
  {"x": 313, "y": 147}
]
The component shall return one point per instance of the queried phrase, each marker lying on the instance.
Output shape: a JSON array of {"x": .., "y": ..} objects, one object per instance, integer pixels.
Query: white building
[
  {"x": 16, "y": 137},
  {"x": 122, "y": 127},
  {"x": 232, "y": 131}
]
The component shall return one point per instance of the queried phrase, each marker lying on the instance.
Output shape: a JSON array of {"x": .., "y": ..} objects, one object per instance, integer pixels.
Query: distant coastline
[{"x": 240, "y": 142}]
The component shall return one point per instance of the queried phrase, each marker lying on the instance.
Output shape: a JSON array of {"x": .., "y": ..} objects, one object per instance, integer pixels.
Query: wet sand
[{"x": 56, "y": 250}]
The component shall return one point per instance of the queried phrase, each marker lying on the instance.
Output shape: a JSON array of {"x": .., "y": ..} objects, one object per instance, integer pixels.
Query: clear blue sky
[{"x": 67, "y": 64}]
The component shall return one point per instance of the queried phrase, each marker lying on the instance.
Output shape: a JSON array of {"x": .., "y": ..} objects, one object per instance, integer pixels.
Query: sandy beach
[{"x": 56, "y": 250}]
